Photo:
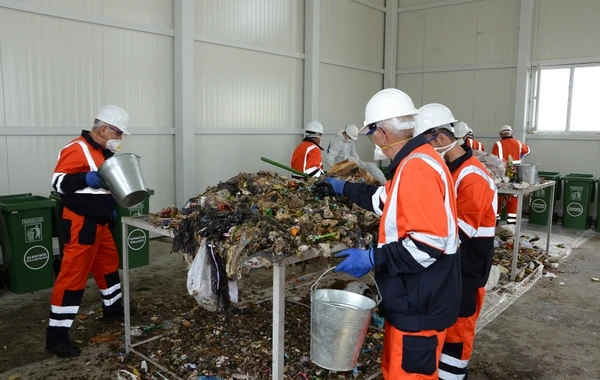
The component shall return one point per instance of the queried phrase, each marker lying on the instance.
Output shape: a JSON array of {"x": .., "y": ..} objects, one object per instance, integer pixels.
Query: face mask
[
  {"x": 113, "y": 145},
  {"x": 442, "y": 150},
  {"x": 379, "y": 155}
]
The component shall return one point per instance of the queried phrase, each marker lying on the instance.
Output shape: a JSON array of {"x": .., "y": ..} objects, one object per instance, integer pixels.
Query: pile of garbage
[
  {"x": 495, "y": 166},
  {"x": 529, "y": 258}
]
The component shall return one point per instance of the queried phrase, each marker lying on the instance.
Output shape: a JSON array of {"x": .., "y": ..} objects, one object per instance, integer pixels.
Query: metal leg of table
[
  {"x": 278, "y": 321},
  {"x": 126, "y": 290},
  {"x": 550, "y": 217},
  {"x": 517, "y": 238}
]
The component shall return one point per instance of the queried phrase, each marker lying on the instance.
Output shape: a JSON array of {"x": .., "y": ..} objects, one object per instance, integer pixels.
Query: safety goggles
[{"x": 114, "y": 129}]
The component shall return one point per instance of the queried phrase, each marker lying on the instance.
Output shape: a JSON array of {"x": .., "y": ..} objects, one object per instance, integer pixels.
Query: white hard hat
[
  {"x": 433, "y": 115},
  {"x": 313, "y": 128},
  {"x": 505, "y": 128},
  {"x": 352, "y": 131},
  {"x": 386, "y": 104},
  {"x": 461, "y": 129},
  {"x": 115, "y": 116}
]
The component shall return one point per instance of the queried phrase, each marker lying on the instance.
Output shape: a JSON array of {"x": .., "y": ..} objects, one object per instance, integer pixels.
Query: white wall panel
[
  {"x": 51, "y": 68},
  {"x": 411, "y": 39},
  {"x": 271, "y": 23},
  {"x": 381, "y": 3},
  {"x": 566, "y": 29},
  {"x": 497, "y": 31},
  {"x": 456, "y": 90},
  {"x": 138, "y": 76},
  {"x": 352, "y": 32},
  {"x": 494, "y": 100},
  {"x": 411, "y": 84},
  {"x": 242, "y": 88},
  {"x": 344, "y": 93},
  {"x": 152, "y": 12},
  {"x": 583, "y": 156},
  {"x": 4, "y": 182},
  {"x": 408, "y": 3}
]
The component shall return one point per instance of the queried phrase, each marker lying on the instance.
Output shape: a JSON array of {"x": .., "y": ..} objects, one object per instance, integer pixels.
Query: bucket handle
[{"x": 378, "y": 298}]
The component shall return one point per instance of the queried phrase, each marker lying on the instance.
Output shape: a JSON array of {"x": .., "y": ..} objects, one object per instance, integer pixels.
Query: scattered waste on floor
[{"x": 594, "y": 279}]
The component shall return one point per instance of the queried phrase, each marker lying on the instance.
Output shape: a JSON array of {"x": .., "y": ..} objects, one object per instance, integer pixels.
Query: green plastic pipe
[{"x": 282, "y": 166}]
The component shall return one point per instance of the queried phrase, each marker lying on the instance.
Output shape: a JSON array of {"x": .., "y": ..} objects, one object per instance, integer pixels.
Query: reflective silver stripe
[
  {"x": 472, "y": 169},
  {"x": 306, "y": 157},
  {"x": 64, "y": 309},
  {"x": 111, "y": 290},
  {"x": 469, "y": 230},
  {"x": 58, "y": 178},
  {"x": 112, "y": 301},
  {"x": 500, "y": 152},
  {"x": 420, "y": 257},
  {"x": 88, "y": 155},
  {"x": 454, "y": 362},
  {"x": 486, "y": 232},
  {"x": 60, "y": 323},
  {"x": 431, "y": 240},
  {"x": 378, "y": 198},
  {"x": 89, "y": 190},
  {"x": 443, "y": 375},
  {"x": 517, "y": 162}
]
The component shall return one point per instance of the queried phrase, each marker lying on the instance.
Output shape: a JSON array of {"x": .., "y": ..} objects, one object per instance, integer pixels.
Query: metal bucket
[
  {"x": 339, "y": 322},
  {"x": 123, "y": 176},
  {"x": 527, "y": 173}
]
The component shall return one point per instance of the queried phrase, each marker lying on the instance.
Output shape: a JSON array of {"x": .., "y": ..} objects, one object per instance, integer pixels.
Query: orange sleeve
[{"x": 474, "y": 198}]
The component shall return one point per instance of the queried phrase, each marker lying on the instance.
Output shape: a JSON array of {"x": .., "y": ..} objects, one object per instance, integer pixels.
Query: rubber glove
[
  {"x": 358, "y": 262},
  {"x": 328, "y": 187},
  {"x": 94, "y": 180},
  {"x": 114, "y": 216}
]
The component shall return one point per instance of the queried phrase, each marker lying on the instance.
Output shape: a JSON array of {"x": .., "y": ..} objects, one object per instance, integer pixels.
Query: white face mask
[
  {"x": 442, "y": 150},
  {"x": 113, "y": 145},
  {"x": 378, "y": 154}
]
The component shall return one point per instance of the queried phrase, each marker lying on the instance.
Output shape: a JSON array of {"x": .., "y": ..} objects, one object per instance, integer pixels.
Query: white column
[
  {"x": 312, "y": 53},
  {"x": 185, "y": 171},
  {"x": 391, "y": 43},
  {"x": 526, "y": 21}
]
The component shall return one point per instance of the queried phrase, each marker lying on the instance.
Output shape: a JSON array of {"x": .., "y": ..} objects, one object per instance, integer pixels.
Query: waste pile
[
  {"x": 267, "y": 215},
  {"x": 529, "y": 258},
  {"x": 496, "y": 166}
]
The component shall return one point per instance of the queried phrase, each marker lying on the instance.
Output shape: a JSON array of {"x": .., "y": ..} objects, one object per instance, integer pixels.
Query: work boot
[
  {"x": 116, "y": 312},
  {"x": 59, "y": 344}
]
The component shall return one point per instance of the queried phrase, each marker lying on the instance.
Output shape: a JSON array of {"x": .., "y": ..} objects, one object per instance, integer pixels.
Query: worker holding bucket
[{"x": 416, "y": 261}]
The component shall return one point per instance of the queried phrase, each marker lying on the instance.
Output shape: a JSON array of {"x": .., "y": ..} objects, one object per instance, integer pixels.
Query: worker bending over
[
  {"x": 476, "y": 199},
  {"x": 342, "y": 146},
  {"x": 416, "y": 261},
  {"x": 307, "y": 156}
]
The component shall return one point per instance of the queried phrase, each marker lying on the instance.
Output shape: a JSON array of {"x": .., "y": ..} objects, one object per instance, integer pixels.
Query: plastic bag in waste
[{"x": 199, "y": 280}]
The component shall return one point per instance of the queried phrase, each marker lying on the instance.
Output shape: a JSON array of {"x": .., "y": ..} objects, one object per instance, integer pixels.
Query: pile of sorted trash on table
[{"x": 257, "y": 219}]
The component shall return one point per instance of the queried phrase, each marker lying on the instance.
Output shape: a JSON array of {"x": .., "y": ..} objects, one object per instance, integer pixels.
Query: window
[{"x": 564, "y": 96}]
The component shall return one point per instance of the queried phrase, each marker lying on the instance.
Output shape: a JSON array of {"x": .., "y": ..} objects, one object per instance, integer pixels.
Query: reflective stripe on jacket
[
  {"x": 307, "y": 158},
  {"x": 512, "y": 147},
  {"x": 474, "y": 144}
]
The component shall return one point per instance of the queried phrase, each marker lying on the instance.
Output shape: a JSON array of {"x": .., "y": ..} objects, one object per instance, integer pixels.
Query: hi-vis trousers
[
  {"x": 510, "y": 202},
  {"x": 89, "y": 247}
]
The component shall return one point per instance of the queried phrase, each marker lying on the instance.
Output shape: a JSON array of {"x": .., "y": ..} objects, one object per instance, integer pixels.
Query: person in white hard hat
[
  {"x": 469, "y": 139},
  {"x": 416, "y": 260},
  {"x": 342, "y": 146},
  {"x": 88, "y": 210},
  {"x": 510, "y": 150},
  {"x": 476, "y": 199},
  {"x": 307, "y": 157}
]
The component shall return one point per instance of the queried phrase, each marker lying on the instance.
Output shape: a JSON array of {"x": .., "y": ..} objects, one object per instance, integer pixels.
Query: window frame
[{"x": 534, "y": 98}]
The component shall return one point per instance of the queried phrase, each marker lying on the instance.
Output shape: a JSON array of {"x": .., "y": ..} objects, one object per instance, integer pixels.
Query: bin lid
[
  {"x": 26, "y": 203},
  {"x": 580, "y": 175},
  {"x": 549, "y": 175},
  {"x": 576, "y": 178}
]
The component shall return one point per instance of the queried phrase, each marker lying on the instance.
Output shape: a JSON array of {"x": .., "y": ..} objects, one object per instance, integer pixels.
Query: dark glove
[
  {"x": 114, "y": 216},
  {"x": 358, "y": 262},
  {"x": 94, "y": 180},
  {"x": 328, "y": 187}
]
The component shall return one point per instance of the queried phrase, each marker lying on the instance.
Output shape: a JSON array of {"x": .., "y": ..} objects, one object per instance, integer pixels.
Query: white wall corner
[
  {"x": 523, "y": 78},
  {"x": 185, "y": 179},
  {"x": 391, "y": 45},
  {"x": 312, "y": 52}
]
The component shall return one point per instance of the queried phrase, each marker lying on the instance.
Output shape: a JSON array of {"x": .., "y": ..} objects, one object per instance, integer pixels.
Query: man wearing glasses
[{"x": 89, "y": 207}]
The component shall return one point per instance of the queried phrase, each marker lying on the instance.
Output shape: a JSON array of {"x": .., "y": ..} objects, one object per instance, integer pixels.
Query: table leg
[
  {"x": 278, "y": 321},
  {"x": 550, "y": 217},
  {"x": 126, "y": 289},
  {"x": 517, "y": 238}
]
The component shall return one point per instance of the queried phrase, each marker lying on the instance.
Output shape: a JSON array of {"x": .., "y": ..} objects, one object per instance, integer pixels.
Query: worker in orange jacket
[
  {"x": 476, "y": 200},
  {"x": 469, "y": 139},
  {"x": 416, "y": 261},
  {"x": 89, "y": 207},
  {"x": 509, "y": 149},
  {"x": 307, "y": 157}
]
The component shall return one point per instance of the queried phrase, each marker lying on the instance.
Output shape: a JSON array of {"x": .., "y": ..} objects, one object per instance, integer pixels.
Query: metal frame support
[
  {"x": 278, "y": 321},
  {"x": 312, "y": 52},
  {"x": 391, "y": 43},
  {"x": 185, "y": 171},
  {"x": 526, "y": 22}
]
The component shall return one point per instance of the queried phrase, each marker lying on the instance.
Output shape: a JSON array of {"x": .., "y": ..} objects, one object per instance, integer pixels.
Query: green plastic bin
[
  {"x": 26, "y": 229},
  {"x": 8, "y": 196},
  {"x": 579, "y": 194},
  {"x": 539, "y": 206},
  {"x": 138, "y": 240},
  {"x": 598, "y": 208}
]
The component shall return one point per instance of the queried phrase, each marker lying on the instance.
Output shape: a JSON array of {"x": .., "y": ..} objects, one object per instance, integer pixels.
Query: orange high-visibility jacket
[
  {"x": 474, "y": 144},
  {"x": 476, "y": 203},
  {"x": 510, "y": 146},
  {"x": 307, "y": 158},
  {"x": 417, "y": 265}
]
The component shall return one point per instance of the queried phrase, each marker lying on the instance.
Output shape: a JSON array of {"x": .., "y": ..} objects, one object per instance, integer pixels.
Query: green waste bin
[
  {"x": 26, "y": 228},
  {"x": 539, "y": 206},
  {"x": 8, "y": 196},
  {"x": 579, "y": 194},
  {"x": 598, "y": 208},
  {"x": 138, "y": 240}
]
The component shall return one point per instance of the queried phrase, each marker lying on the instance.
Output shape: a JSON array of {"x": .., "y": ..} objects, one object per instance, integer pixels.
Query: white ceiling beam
[
  {"x": 312, "y": 52},
  {"x": 438, "y": 4},
  {"x": 443, "y": 69},
  {"x": 246, "y": 46},
  {"x": 369, "y": 4},
  {"x": 391, "y": 44}
]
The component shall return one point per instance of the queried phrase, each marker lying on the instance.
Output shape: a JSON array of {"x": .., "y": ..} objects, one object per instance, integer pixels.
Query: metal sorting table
[
  {"x": 520, "y": 193},
  {"x": 142, "y": 222}
]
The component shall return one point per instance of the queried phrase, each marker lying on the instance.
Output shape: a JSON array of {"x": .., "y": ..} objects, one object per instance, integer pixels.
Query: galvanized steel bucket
[
  {"x": 339, "y": 322},
  {"x": 123, "y": 176}
]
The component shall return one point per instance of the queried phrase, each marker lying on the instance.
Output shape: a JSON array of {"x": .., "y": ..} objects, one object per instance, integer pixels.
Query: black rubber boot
[
  {"x": 59, "y": 344},
  {"x": 116, "y": 312}
]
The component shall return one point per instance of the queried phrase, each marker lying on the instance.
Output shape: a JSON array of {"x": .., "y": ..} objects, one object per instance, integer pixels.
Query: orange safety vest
[
  {"x": 510, "y": 146},
  {"x": 474, "y": 144},
  {"x": 307, "y": 158}
]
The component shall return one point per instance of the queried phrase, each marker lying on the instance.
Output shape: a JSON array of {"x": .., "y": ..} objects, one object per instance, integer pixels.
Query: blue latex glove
[
  {"x": 337, "y": 184},
  {"x": 358, "y": 262},
  {"x": 94, "y": 180},
  {"x": 328, "y": 187},
  {"x": 114, "y": 215}
]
